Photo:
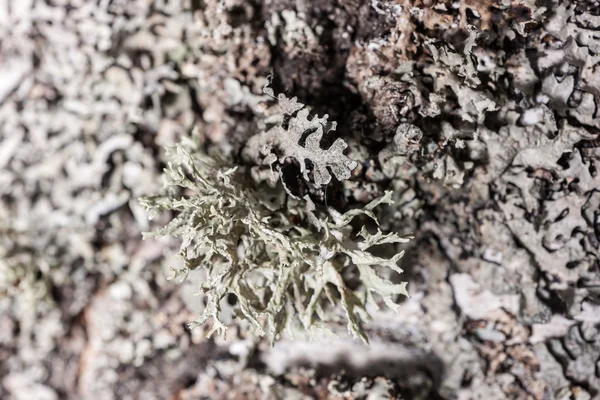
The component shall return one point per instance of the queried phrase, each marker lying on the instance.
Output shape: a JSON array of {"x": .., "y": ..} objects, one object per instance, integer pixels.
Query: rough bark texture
[{"x": 482, "y": 117}]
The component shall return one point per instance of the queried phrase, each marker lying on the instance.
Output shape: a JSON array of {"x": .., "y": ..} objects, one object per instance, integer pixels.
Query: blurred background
[{"x": 504, "y": 282}]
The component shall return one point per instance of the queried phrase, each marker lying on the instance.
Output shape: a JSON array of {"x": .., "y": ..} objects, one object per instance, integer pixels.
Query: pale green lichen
[{"x": 286, "y": 266}]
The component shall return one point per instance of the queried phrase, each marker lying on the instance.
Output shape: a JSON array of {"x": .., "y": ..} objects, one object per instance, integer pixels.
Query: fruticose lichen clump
[{"x": 289, "y": 267}]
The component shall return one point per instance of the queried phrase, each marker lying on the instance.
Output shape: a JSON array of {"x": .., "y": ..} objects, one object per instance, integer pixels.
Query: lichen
[
  {"x": 286, "y": 267},
  {"x": 293, "y": 133}
]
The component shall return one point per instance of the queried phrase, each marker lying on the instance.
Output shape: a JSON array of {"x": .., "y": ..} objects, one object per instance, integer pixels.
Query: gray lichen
[
  {"x": 283, "y": 266},
  {"x": 293, "y": 133}
]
